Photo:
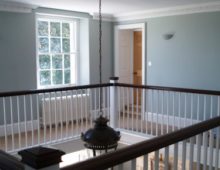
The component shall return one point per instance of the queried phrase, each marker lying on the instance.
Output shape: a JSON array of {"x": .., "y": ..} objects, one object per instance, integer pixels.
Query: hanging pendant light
[{"x": 101, "y": 137}]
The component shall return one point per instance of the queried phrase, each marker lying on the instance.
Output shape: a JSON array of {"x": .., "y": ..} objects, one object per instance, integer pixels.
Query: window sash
[{"x": 74, "y": 54}]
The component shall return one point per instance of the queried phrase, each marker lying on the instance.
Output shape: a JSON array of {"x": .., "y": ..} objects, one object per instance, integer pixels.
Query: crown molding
[
  {"x": 180, "y": 10},
  {"x": 105, "y": 17},
  {"x": 16, "y": 7}
]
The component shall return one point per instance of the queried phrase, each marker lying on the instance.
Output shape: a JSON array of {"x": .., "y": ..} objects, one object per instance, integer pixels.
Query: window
[{"x": 56, "y": 51}]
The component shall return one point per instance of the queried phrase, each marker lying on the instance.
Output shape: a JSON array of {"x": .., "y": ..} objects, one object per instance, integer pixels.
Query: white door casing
[{"x": 123, "y": 56}]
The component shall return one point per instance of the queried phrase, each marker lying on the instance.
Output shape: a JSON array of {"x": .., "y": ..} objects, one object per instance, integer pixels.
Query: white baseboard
[
  {"x": 169, "y": 119},
  {"x": 18, "y": 127},
  {"x": 95, "y": 112}
]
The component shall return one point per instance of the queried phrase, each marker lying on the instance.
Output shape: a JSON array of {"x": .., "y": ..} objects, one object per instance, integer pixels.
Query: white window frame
[{"x": 73, "y": 69}]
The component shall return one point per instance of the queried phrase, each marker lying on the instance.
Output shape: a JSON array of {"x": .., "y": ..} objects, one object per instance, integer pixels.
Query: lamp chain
[{"x": 100, "y": 57}]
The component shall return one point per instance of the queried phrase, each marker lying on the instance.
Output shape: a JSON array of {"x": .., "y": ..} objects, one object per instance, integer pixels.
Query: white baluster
[
  {"x": 137, "y": 110},
  {"x": 217, "y": 149},
  {"x": 166, "y": 161},
  {"x": 198, "y": 106},
  {"x": 205, "y": 150},
  {"x": 179, "y": 116},
  {"x": 132, "y": 109},
  {"x": 162, "y": 110},
  {"x": 175, "y": 164},
  {"x": 184, "y": 155},
  {"x": 167, "y": 112},
  {"x": 12, "y": 123},
  {"x": 173, "y": 110},
  {"x": 145, "y": 162},
  {"x": 133, "y": 164},
  {"x": 191, "y": 110},
  {"x": 118, "y": 96},
  {"x": 66, "y": 114},
  {"x": 199, "y": 141},
  {"x": 157, "y": 113},
  {"x": 19, "y": 128},
  {"x": 38, "y": 119},
  {"x": 32, "y": 120},
  {"x": 5, "y": 126},
  {"x": 152, "y": 118},
  {"x": 56, "y": 117},
  {"x": 156, "y": 160},
  {"x": 204, "y": 112},
  {"x": 25, "y": 123},
  {"x": 49, "y": 116},
  {"x": 191, "y": 151},
  {"x": 211, "y": 143},
  {"x": 146, "y": 111}
]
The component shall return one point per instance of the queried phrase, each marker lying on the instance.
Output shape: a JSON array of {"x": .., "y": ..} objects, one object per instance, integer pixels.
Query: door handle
[{"x": 135, "y": 73}]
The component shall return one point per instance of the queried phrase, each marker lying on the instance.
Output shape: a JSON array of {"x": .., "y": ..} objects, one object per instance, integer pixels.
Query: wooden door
[{"x": 137, "y": 64}]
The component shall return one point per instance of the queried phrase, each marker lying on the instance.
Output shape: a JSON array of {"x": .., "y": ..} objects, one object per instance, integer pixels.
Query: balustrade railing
[
  {"x": 49, "y": 116},
  {"x": 194, "y": 148},
  {"x": 156, "y": 111},
  {"x": 43, "y": 117}
]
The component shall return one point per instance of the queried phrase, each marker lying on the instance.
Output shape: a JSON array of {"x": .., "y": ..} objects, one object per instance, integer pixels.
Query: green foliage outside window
[{"x": 54, "y": 50}]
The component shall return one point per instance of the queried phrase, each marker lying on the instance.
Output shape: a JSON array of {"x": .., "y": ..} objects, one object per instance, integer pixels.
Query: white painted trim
[
  {"x": 124, "y": 27},
  {"x": 179, "y": 10},
  {"x": 129, "y": 26},
  {"x": 105, "y": 17},
  {"x": 58, "y": 18},
  {"x": 144, "y": 68},
  {"x": 16, "y": 7},
  {"x": 15, "y": 128},
  {"x": 130, "y": 138},
  {"x": 173, "y": 120}
]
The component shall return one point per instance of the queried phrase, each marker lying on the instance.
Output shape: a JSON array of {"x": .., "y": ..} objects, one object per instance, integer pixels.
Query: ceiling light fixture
[{"x": 101, "y": 137}]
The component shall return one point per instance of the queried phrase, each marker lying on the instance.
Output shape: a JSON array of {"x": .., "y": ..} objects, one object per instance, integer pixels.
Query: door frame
[{"x": 117, "y": 28}]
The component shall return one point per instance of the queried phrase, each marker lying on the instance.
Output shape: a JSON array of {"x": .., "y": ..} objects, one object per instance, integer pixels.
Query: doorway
[{"x": 130, "y": 56}]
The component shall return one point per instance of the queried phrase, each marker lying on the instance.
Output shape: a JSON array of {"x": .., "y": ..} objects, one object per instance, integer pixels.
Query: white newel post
[{"x": 113, "y": 103}]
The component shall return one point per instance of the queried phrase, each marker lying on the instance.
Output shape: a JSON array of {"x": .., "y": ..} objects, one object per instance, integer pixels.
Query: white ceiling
[{"x": 112, "y": 7}]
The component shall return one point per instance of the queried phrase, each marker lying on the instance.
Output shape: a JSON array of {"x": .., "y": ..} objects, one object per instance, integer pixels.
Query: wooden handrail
[
  {"x": 174, "y": 89},
  {"x": 26, "y": 92},
  {"x": 145, "y": 147}
]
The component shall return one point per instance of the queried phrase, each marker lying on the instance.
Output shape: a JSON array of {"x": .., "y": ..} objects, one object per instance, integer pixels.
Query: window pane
[
  {"x": 57, "y": 62},
  {"x": 66, "y": 61},
  {"x": 55, "y": 29},
  {"x": 44, "y": 61},
  {"x": 43, "y": 45},
  {"x": 55, "y": 45},
  {"x": 45, "y": 78},
  {"x": 67, "y": 76},
  {"x": 66, "y": 29},
  {"x": 66, "y": 45},
  {"x": 57, "y": 77},
  {"x": 43, "y": 28}
]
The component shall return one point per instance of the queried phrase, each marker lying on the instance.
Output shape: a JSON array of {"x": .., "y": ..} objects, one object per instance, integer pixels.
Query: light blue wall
[
  {"x": 84, "y": 52},
  {"x": 107, "y": 51},
  {"x": 17, "y": 55},
  {"x": 191, "y": 58},
  {"x": 18, "y": 49}
]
